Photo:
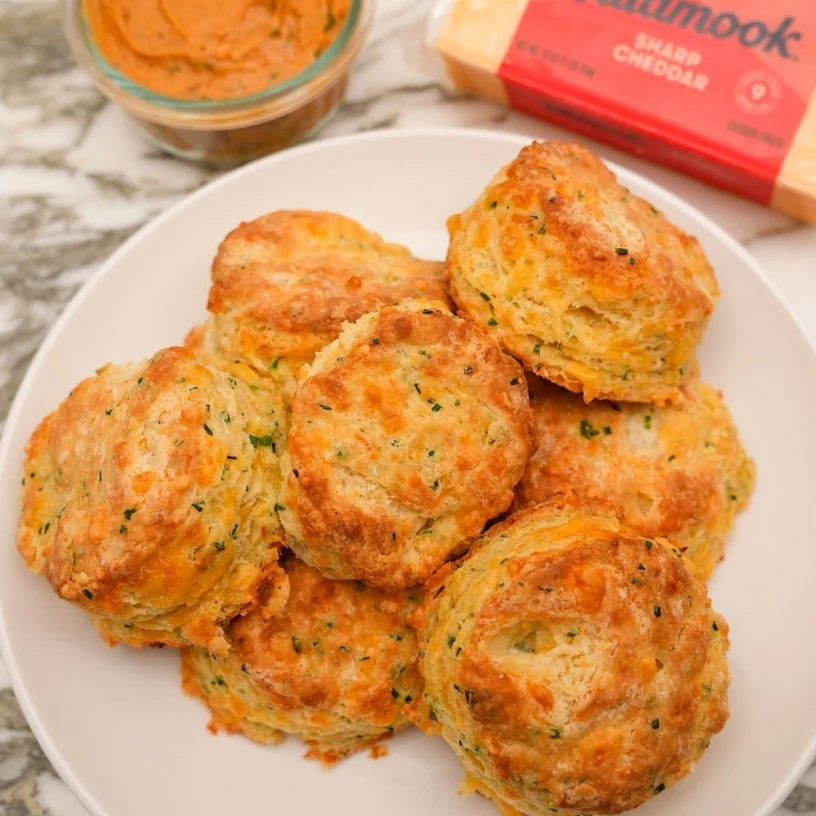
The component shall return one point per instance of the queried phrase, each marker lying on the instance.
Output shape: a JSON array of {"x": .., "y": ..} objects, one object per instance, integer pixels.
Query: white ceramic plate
[{"x": 115, "y": 723}]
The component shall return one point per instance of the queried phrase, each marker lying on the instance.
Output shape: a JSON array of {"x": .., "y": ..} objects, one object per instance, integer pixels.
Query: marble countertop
[{"x": 76, "y": 179}]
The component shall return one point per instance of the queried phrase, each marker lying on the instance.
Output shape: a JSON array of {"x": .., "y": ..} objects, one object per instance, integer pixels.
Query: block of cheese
[{"x": 724, "y": 90}]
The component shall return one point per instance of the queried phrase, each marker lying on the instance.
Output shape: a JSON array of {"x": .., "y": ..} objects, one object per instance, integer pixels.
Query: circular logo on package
[{"x": 758, "y": 92}]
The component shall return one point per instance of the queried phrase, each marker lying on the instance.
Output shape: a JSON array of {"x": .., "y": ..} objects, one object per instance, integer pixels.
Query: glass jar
[{"x": 224, "y": 133}]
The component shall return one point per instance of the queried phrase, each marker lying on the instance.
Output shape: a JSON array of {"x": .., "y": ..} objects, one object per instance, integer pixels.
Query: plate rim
[{"x": 27, "y": 706}]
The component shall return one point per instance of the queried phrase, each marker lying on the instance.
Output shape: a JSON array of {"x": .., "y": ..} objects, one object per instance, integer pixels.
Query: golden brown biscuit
[
  {"x": 148, "y": 499},
  {"x": 408, "y": 434},
  {"x": 586, "y": 284},
  {"x": 335, "y": 667},
  {"x": 284, "y": 284},
  {"x": 572, "y": 664},
  {"x": 677, "y": 471}
]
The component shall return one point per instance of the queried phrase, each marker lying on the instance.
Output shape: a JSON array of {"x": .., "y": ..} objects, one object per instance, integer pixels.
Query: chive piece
[
  {"x": 260, "y": 441},
  {"x": 715, "y": 627},
  {"x": 621, "y": 251},
  {"x": 492, "y": 322},
  {"x": 234, "y": 530},
  {"x": 128, "y": 514},
  {"x": 660, "y": 788},
  {"x": 393, "y": 536},
  {"x": 607, "y": 430},
  {"x": 109, "y": 411},
  {"x": 468, "y": 369},
  {"x": 279, "y": 508},
  {"x": 580, "y": 195},
  {"x": 631, "y": 261},
  {"x": 641, "y": 568},
  {"x": 408, "y": 698},
  {"x": 431, "y": 453},
  {"x": 436, "y": 407},
  {"x": 537, "y": 348},
  {"x": 542, "y": 230},
  {"x": 123, "y": 530},
  {"x": 375, "y": 341},
  {"x": 493, "y": 205},
  {"x": 417, "y": 388},
  {"x": 485, "y": 296},
  {"x": 220, "y": 546},
  {"x": 326, "y": 407},
  {"x": 427, "y": 311},
  {"x": 140, "y": 381},
  {"x": 647, "y": 421},
  {"x": 451, "y": 640},
  {"x": 297, "y": 645},
  {"x": 649, "y": 545},
  {"x": 359, "y": 586},
  {"x": 396, "y": 636},
  {"x": 514, "y": 381},
  {"x": 363, "y": 659},
  {"x": 198, "y": 506},
  {"x": 274, "y": 364},
  {"x": 672, "y": 458},
  {"x": 207, "y": 429},
  {"x": 435, "y": 485},
  {"x": 657, "y": 612},
  {"x": 244, "y": 668},
  {"x": 655, "y": 724},
  {"x": 395, "y": 694},
  {"x": 587, "y": 431},
  {"x": 88, "y": 594},
  {"x": 555, "y": 733}
]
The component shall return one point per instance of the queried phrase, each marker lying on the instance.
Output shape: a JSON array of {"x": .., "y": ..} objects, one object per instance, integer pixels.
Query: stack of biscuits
[{"x": 482, "y": 497}]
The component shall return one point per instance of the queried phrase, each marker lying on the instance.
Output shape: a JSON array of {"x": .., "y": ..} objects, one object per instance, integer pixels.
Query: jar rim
[{"x": 277, "y": 100}]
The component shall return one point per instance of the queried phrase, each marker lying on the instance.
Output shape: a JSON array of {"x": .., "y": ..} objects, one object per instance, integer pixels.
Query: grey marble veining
[{"x": 76, "y": 180}]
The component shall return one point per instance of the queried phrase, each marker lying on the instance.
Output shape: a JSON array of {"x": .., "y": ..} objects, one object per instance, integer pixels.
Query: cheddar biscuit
[
  {"x": 148, "y": 499},
  {"x": 408, "y": 433},
  {"x": 572, "y": 665},
  {"x": 283, "y": 285},
  {"x": 677, "y": 471},
  {"x": 586, "y": 284},
  {"x": 335, "y": 667}
]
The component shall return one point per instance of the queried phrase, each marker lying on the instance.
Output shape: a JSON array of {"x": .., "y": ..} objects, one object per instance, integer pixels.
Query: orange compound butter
[
  {"x": 722, "y": 90},
  {"x": 213, "y": 49}
]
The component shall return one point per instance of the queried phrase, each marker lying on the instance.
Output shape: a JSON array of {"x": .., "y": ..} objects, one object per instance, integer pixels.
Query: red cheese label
[{"x": 711, "y": 89}]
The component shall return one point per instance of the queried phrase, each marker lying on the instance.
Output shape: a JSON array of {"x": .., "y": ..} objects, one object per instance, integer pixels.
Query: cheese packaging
[{"x": 723, "y": 90}]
